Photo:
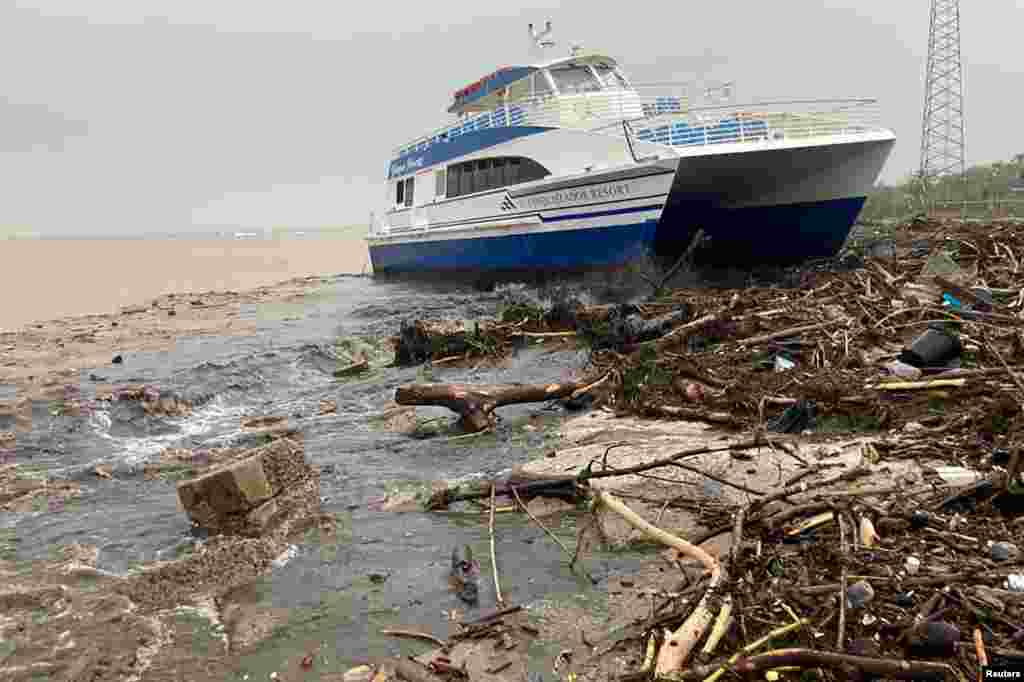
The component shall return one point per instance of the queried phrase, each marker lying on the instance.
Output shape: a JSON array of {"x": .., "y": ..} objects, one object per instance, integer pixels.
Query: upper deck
[{"x": 590, "y": 92}]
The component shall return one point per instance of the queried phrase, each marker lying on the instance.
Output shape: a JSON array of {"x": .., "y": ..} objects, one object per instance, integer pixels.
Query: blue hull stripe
[
  {"x": 596, "y": 214},
  {"x": 762, "y": 234},
  {"x": 464, "y": 144}
]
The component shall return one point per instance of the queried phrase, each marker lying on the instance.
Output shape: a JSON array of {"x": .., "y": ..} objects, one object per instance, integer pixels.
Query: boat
[{"x": 566, "y": 164}]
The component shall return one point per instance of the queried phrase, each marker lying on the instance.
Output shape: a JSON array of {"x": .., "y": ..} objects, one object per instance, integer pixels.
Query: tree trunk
[{"x": 477, "y": 403}]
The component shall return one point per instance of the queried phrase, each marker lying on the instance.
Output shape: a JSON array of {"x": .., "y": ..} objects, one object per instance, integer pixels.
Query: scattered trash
[
  {"x": 1014, "y": 582},
  {"x": 465, "y": 575},
  {"x": 905, "y": 600},
  {"x": 783, "y": 363},
  {"x": 920, "y": 519},
  {"x": 795, "y": 419},
  {"x": 933, "y": 639},
  {"x": 1004, "y": 551},
  {"x": 868, "y": 535},
  {"x": 934, "y": 348},
  {"x": 859, "y": 594},
  {"x": 913, "y": 565},
  {"x": 903, "y": 370}
]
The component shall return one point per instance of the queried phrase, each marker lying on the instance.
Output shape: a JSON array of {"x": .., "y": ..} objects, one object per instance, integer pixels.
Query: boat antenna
[{"x": 543, "y": 39}]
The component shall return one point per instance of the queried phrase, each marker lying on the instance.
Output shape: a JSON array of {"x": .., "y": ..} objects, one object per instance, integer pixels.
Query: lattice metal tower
[{"x": 942, "y": 131}]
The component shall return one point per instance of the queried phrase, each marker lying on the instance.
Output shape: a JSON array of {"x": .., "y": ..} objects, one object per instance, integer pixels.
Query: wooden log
[
  {"x": 354, "y": 368},
  {"x": 476, "y": 403},
  {"x": 559, "y": 488}
]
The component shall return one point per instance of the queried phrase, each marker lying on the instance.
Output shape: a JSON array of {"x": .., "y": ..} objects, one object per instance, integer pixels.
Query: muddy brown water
[{"x": 285, "y": 368}]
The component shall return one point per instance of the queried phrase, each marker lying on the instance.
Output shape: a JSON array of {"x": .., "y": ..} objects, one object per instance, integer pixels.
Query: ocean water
[
  {"x": 46, "y": 278},
  {"x": 285, "y": 368}
]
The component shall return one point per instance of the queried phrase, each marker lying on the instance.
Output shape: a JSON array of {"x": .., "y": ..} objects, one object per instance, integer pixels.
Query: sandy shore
[{"x": 49, "y": 279}]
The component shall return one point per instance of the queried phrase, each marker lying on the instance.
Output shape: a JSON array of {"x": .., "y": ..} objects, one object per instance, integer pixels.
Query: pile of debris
[{"x": 918, "y": 352}]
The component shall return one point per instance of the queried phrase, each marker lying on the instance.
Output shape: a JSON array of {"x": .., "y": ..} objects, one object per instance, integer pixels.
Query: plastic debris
[
  {"x": 795, "y": 419},
  {"x": 913, "y": 565},
  {"x": 919, "y": 519},
  {"x": 957, "y": 476},
  {"x": 868, "y": 535},
  {"x": 934, "y": 639},
  {"x": 934, "y": 348},
  {"x": 903, "y": 370},
  {"x": 1004, "y": 551},
  {"x": 1014, "y": 582},
  {"x": 859, "y": 594},
  {"x": 783, "y": 363},
  {"x": 905, "y": 600}
]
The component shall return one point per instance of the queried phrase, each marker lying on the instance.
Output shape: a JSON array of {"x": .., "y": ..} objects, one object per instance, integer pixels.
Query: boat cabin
[
  {"x": 573, "y": 75},
  {"x": 566, "y": 92}
]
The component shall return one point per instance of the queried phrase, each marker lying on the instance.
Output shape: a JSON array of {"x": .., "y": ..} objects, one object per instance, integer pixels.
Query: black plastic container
[{"x": 935, "y": 348}]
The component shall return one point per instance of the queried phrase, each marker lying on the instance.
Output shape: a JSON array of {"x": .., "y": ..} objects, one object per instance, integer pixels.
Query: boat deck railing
[{"x": 660, "y": 116}]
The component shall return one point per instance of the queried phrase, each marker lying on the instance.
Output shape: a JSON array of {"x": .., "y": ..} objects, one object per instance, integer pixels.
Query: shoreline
[
  {"x": 39, "y": 358},
  {"x": 48, "y": 279}
]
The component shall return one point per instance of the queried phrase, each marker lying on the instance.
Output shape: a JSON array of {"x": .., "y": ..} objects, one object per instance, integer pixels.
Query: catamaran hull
[{"x": 785, "y": 202}]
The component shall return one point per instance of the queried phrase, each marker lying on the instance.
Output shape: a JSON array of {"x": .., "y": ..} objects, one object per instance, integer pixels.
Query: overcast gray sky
[{"x": 153, "y": 115}]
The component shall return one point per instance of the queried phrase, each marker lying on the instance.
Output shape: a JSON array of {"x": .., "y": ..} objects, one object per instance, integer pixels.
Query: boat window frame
[
  {"x": 585, "y": 66},
  {"x": 400, "y": 192},
  {"x": 440, "y": 182},
  {"x": 621, "y": 84},
  {"x": 410, "y": 189},
  {"x": 549, "y": 82},
  {"x": 515, "y": 170}
]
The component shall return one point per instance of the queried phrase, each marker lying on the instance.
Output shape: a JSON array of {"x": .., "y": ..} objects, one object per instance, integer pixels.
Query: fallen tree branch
[
  {"x": 559, "y": 488},
  {"x": 689, "y": 326},
  {"x": 918, "y": 385},
  {"x": 667, "y": 461},
  {"x": 900, "y": 669},
  {"x": 710, "y": 673},
  {"x": 792, "y": 331},
  {"x": 572, "y": 557},
  {"x": 784, "y": 494},
  {"x": 412, "y": 634},
  {"x": 676, "y": 648},
  {"x": 691, "y": 414},
  {"x": 475, "y": 404},
  {"x": 494, "y": 560},
  {"x": 841, "y": 630}
]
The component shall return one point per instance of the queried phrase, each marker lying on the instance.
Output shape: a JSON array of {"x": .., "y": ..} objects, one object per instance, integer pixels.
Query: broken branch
[
  {"x": 678, "y": 646},
  {"x": 475, "y": 404}
]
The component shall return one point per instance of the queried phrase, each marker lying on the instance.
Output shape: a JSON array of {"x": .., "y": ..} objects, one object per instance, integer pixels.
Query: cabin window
[
  {"x": 573, "y": 78},
  {"x": 454, "y": 173},
  {"x": 497, "y": 175},
  {"x": 512, "y": 172},
  {"x": 400, "y": 192},
  {"x": 530, "y": 170},
  {"x": 482, "y": 181},
  {"x": 609, "y": 77},
  {"x": 409, "y": 185},
  {"x": 466, "y": 182},
  {"x": 487, "y": 174},
  {"x": 439, "y": 183},
  {"x": 540, "y": 85}
]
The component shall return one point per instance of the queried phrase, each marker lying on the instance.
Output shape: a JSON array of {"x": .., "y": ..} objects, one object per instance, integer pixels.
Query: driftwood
[
  {"x": 900, "y": 669},
  {"x": 693, "y": 414},
  {"x": 477, "y": 403},
  {"x": 678, "y": 646},
  {"x": 559, "y": 488},
  {"x": 354, "y": 368}
]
